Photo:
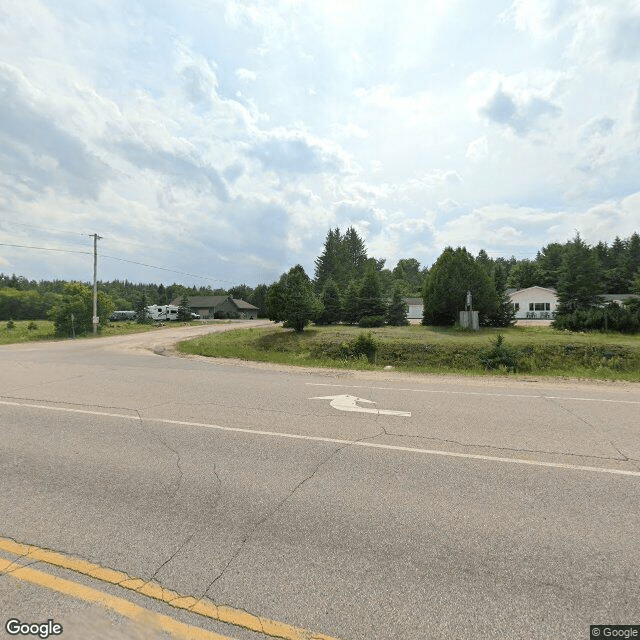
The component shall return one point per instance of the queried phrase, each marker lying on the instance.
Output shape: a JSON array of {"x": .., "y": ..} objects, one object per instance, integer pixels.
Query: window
[
  {"x": 540, "y": 306},
  {"x": 531, "y": 306},
  {"x": 516, "y": 306}
]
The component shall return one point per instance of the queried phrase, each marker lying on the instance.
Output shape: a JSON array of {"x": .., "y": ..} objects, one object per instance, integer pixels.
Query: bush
[
  {"x": 32, "y": 326},
  {"x": 371, "y": 321},
  {"x": 11, "y": 325},
  {"x": 611, "y": 317},
  {"x": 364, "y": 345},
  {"x": 500, "y": 356}
]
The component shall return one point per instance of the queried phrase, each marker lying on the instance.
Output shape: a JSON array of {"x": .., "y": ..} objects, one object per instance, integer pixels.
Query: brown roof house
[{"x": 220, "y": 307}]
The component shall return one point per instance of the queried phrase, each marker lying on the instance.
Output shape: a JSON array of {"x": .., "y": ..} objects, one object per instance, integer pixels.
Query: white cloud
[
  {"x": 249, "y": 128},
  {"x": 478, "y": 149},
  {"x": 245, "y": 75}
]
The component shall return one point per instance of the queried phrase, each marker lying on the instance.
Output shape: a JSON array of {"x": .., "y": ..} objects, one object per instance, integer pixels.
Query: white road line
[
  {"x": 353, "y": 443},
  {"x": 472, "y": 393}
]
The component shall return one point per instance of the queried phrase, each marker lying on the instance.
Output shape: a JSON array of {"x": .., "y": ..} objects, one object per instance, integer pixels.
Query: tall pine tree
[{"x": 579, "y": 285}]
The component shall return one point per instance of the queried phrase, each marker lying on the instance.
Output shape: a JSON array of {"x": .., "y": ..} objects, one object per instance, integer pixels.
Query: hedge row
[{"x": 532, "y": 357}]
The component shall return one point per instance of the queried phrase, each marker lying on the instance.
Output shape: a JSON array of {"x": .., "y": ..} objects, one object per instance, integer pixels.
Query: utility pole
[{"x": 96, "y": 320}]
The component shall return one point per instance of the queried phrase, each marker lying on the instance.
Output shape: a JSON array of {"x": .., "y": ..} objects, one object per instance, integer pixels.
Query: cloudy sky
[{"x": 223, "y": 138}]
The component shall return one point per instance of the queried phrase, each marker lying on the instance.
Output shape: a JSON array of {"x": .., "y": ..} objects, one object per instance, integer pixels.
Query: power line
[
  {"x": 25, "y": 246},
  {"x": 141, "y": 264},
  {"x": 41, "y": 228}
]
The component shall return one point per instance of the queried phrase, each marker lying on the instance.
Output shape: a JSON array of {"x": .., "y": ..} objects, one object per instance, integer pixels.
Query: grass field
[
  {"x": 34, "y": 330},
  {"x": 525, "y": 350}
]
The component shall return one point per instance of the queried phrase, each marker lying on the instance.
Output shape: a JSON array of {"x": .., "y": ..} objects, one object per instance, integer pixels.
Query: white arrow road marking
[{"x": 349, "y": 403}]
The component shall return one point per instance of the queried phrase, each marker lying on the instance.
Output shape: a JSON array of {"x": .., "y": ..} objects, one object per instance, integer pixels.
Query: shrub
[
  {"x": 366, "y": 345},
  {"x": 500, "y": 355},
  {"x": 11, "y": 325},
  {"x": 32, "y": 326},
  {"x": 371, "y": 321}
]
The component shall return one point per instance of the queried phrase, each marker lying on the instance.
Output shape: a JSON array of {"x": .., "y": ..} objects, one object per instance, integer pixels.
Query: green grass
[
  {"x": 44, "y": 330},
  {"x": 538, "y": 350},
  {"x": 21, "y": 332}
]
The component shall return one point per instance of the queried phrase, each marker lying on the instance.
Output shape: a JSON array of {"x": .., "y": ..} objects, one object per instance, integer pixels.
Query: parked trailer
[{"x": 163, "y": 312}]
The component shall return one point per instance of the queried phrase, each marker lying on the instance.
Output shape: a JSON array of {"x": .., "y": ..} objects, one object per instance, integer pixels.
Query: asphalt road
[{"x": 499, "y": 508}]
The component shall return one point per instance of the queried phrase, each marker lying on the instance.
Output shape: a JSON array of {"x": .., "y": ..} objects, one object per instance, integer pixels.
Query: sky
[{"x": 215, "y": 142}]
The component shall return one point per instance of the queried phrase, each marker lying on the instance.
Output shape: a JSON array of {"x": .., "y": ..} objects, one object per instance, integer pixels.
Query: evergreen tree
[
  {"x": 408, "y": 271},
  {"x": 398, "y": 308},
  {"x": 184, "y": 311},
  {"x": 142, "y": 313},
  {"x": 615, "y": 277},
  {"x": 241, "y": 292},
  {"x": 454, "y": 273},
  {"x": 580, "y": 285},
  {"x": 505, "y": 314},
  {"x": 354, "y": 254},
  {"x": 524, "y": 274},
  {"x": 371, "y": 303},
  {"x": 329, "y": 264},
  {"x": 292, "y": 300},
  {"x": 332, "y": 313},
  {"x": 259, "y": 299},
  {"x": 549, "y": 263},
  {"x": 632, "y": 260},
  {"x": 351, "y": 303}
]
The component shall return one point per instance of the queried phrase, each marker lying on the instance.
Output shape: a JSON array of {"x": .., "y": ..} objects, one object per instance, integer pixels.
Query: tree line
[{"x": 352, "y": 287}]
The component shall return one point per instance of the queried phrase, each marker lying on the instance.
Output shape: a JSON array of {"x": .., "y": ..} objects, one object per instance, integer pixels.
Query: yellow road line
[
  {"x": 202, "y": 606},
  {"x": 119, "y": 605}
]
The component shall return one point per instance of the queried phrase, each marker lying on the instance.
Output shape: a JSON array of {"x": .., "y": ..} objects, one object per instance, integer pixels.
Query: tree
[
  {"x": 398, "y": 308},
  {"x": 292, "y": 300},
  {"x": 351, "y": 303},
  {"x": 73, "y": 314},
  {"x": 408, "y": 271},
  {"x": 142, "y": 312},
  {"x": 332, "y": 312},
  {"x": 330, "y": 263},
  {"x": 184, "y": 311},
  {"x": 505, "y": 314},
  {"x": 259, "y": 299},
  {"x": 454, "y": 273},
  {"x": 371, "y": 303},
  {"x": 354, "y": 253},
  {"x": 524, "y": 274},
  {"x": 162, "y": 295},
  {"x": 579, "y": 286},
  {"x": 241, "y": 292},
  {"x": 549, "y": 263}
]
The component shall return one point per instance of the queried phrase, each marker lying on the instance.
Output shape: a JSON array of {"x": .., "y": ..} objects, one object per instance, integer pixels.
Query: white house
[{"x": 534, "y": 302}]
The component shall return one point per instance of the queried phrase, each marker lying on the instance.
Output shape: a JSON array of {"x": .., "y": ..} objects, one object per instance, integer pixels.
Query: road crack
[
  {"x": 247, "y": 538},
  {"x": 600, "y": 432},
  {"x": 472, "y": 445}
]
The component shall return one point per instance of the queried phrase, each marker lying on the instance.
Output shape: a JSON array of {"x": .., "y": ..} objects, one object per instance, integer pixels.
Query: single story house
[
  {"x": 220, "y": 307},
  {"x": 534, "y": 302}
]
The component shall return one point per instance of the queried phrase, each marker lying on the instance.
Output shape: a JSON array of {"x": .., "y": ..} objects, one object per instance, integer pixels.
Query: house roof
[
  {"x": 205, "y": 302},
  {"x": 512, "y": 291},
  {"x": 414, "y": 301},
  {"x": 241, "y": 304}
]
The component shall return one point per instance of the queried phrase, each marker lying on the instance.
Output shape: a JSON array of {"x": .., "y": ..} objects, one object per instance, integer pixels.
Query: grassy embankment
[
  {"x": 44, "y": 330},
  {"x": 525, "y": 350}
]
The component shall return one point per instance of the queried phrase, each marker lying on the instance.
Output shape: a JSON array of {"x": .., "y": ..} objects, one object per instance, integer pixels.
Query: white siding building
[{"x": 534, "y": 302}]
